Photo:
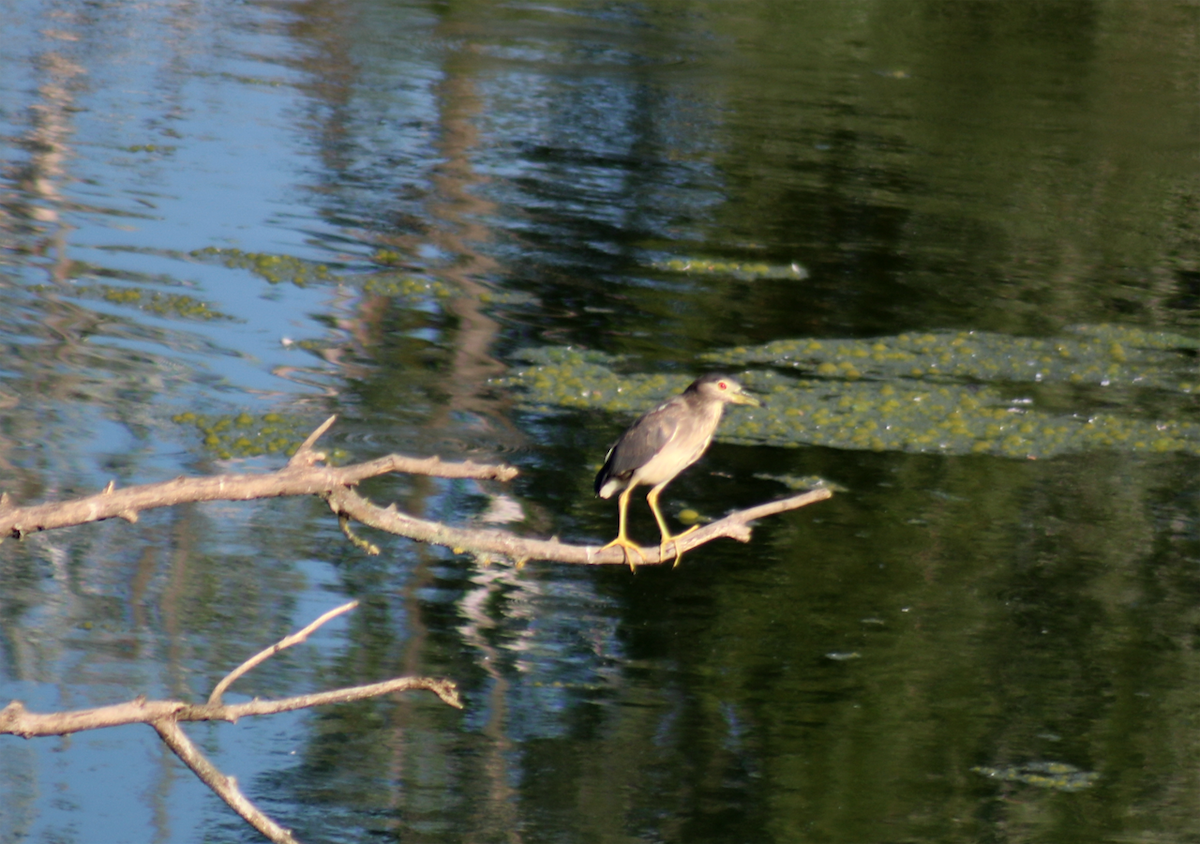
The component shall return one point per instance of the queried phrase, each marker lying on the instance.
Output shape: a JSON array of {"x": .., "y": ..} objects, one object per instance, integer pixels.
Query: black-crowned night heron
[{"x": 659, "y": 446}]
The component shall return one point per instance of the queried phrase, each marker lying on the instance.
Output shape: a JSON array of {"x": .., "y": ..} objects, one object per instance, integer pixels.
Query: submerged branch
[{"x": 225, "y": 787}]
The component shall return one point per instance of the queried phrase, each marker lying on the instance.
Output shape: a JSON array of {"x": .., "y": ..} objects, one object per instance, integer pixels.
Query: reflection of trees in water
[
  {"x": 30, "y": 221},
  {"x": 455, "y": 212},
  {"x": 68, "y": 360}
]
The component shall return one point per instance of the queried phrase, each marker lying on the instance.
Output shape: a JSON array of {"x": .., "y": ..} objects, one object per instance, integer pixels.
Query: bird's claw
[
  {"x": 627, "y": 545},
  {"x": 667, "y": 540}
]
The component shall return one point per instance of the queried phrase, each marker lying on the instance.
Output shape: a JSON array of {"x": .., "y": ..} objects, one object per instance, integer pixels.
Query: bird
[{"x": 661, "y": 444}]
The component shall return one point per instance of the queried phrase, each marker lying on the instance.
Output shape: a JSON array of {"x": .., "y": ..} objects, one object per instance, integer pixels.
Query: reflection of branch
[
  {"x": 165, "y": 715},
  {"x": 301, "y": 476}
]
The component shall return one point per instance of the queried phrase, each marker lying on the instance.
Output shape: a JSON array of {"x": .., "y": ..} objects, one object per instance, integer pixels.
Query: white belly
[{"x": 669, "y": 462}]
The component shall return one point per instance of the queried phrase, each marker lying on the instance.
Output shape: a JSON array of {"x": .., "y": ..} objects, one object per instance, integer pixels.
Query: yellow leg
[
  {"x": 652, "y": 500},
  {"x": 622, "y": 540}
]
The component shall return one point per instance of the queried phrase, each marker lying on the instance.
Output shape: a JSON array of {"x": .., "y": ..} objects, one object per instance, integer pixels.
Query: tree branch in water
[
  {"x": 165, "y": 716},
  {"x": 302, "y": 476}
]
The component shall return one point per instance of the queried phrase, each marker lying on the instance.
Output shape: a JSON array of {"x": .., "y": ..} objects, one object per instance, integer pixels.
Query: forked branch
[{"x": 165, "y": 715}]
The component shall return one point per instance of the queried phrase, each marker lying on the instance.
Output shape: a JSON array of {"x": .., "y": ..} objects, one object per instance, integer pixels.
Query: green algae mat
[{"x": 1096, "y": 387}]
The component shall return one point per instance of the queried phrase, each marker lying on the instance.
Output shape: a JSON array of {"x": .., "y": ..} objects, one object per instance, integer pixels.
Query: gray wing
[{"x": 640, "y": 442}]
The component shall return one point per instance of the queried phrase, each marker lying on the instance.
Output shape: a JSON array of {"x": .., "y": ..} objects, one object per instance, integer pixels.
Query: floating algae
[
  {"x": 402, "y": 286},
  {"x": 567, "y": 377},
  {"x": 1101, "y": 354},
  {"x": 159, "y": 303},
  {"x": 741, "y": 270},
  {"x": 280, "y": 269},
  {"x": 802, "y": 482},
  {"x": 1057, "y": 776},
  {"x": 926, "y": 413},
  {"x": 272, "y": 268},
  {"x": 243, "y": 435}
]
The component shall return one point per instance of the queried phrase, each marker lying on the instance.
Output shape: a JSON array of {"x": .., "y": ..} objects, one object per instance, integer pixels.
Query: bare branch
[
  {"x": 735, "y": 525},
  {"x": 299, "y": 477},
  {"x": 225, "y": 787},
  {"x": 286, "y": 642},
  {"x": 16, "y": 720},
  {"x": 305, "y": 456},
  {"x": 302, "y": 476},
  {"x": 444, "y": 689}
]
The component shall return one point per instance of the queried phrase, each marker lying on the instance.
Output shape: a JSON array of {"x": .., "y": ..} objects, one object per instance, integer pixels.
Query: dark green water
[{"x": 220, "y": 224}]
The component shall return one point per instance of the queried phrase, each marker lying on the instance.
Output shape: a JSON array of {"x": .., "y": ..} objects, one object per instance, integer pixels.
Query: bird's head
[{"x": 722, "y": 388}]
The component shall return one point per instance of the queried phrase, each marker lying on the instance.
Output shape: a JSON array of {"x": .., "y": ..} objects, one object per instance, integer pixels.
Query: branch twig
[{"x": 286, "y": 642}]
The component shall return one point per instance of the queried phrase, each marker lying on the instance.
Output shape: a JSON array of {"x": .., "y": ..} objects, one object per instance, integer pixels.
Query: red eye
[{"x": 722, "y": 385}]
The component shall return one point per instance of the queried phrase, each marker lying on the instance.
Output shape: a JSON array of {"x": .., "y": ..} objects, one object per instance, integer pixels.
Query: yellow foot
[
  {"x": 627, "y": 546},
  {"x": 666, "y": 540}
]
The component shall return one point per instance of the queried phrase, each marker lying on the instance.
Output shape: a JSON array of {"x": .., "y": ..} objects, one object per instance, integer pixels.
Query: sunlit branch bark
[
  {"x": 16, "y": 720},
  {"x": 736, "y": 526},
  {"x": 300, "y": 477},
  {"x": 165, "y": 716}
]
